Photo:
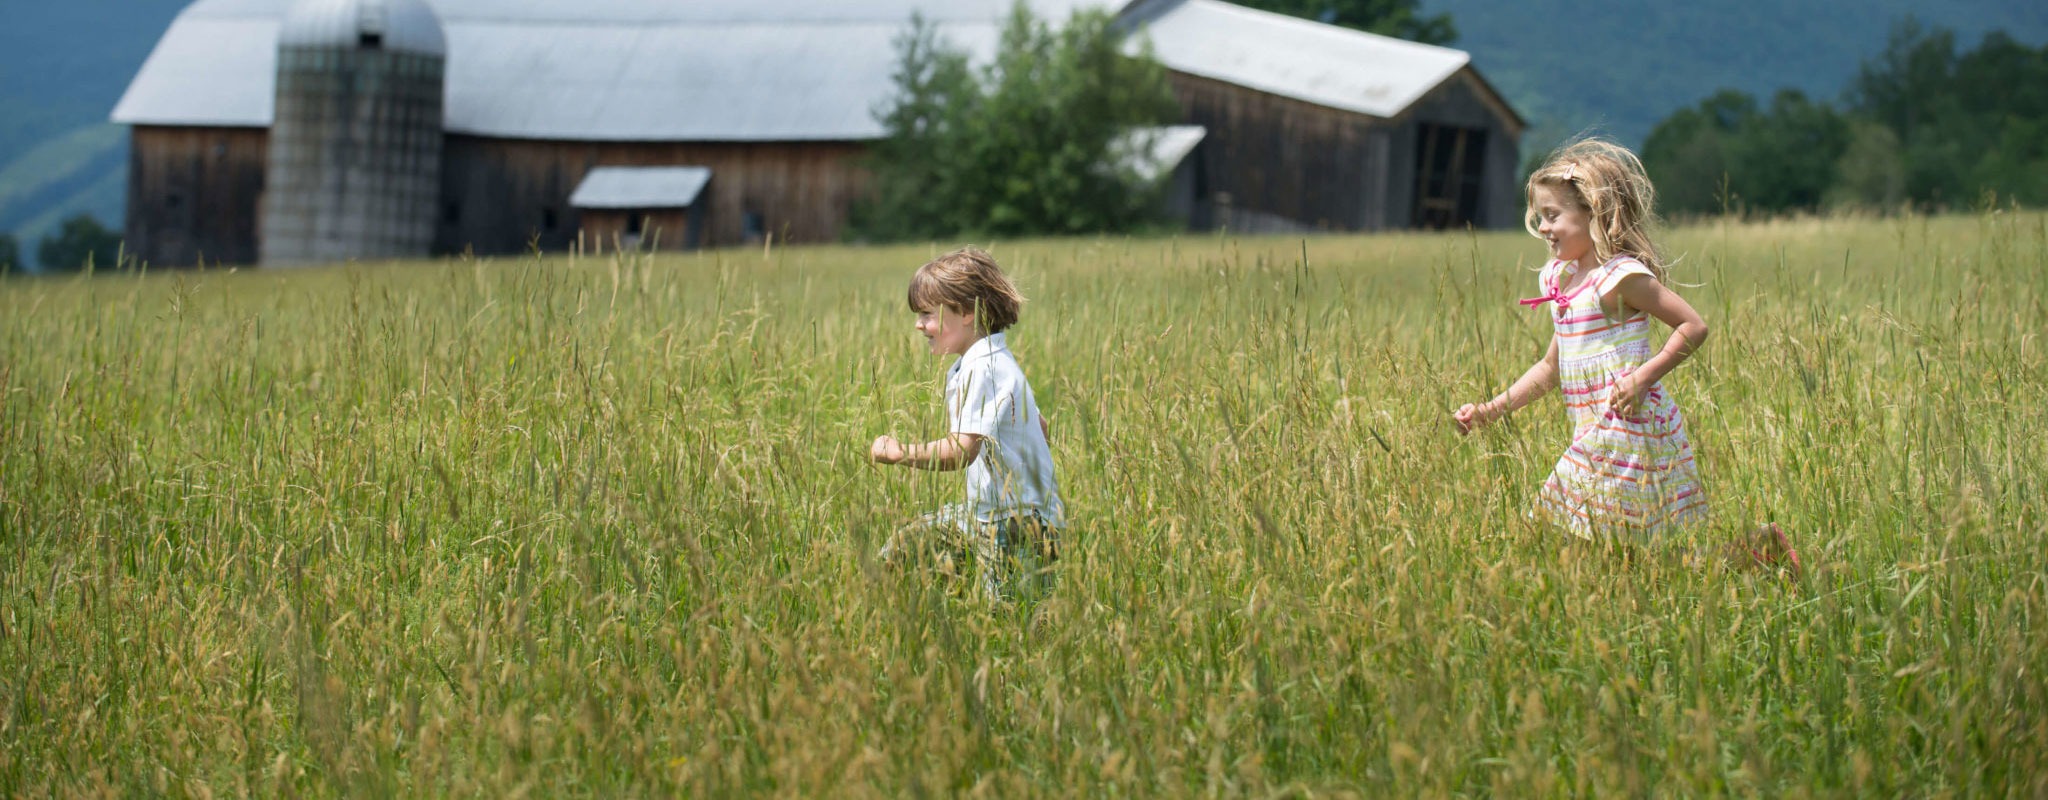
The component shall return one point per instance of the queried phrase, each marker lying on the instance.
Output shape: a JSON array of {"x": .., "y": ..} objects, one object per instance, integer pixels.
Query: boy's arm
[{"x": 955, "y": 451}]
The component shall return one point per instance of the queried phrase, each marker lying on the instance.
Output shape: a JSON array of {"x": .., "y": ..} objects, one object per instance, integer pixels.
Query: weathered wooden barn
[
  {"x": 1315, "y": 127},
  {"x": 718, "y": 122}
]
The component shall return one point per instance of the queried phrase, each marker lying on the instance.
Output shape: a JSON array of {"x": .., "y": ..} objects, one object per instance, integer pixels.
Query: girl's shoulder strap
[{"x": 1620, "y": 267}]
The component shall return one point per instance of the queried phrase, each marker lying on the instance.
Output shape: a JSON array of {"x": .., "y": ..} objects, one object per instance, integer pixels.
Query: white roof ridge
[{"x": 1314, "y": 28}]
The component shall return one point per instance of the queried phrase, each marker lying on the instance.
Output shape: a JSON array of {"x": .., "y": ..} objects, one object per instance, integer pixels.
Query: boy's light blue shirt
[{"x": 987, "y": 395}]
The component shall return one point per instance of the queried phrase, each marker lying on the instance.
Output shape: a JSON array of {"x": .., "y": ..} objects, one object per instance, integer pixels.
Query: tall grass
[{"x": 544, "y": 527}]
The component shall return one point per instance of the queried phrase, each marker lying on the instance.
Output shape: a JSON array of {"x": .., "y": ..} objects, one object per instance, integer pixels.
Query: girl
[{"x": 1628, "y": 475}]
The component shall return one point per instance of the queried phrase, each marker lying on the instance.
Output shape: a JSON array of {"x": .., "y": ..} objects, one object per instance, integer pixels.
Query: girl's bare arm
[
  {"x": 1688, "y": 329},
  {"x": 1534, "y": 383}
]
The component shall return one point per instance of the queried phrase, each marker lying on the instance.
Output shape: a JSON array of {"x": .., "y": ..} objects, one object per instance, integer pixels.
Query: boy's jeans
[{"x": 1014, "y": 553}]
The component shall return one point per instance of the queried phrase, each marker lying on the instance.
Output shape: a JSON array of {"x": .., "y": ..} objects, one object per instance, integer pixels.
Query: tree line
[
  {"x": 1923, "y": 126},
  {"x": 79, "y": 242}
]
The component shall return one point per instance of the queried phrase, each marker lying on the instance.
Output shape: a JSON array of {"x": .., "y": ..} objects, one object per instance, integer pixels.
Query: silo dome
[
  {"x": 353, "y": 169},
  {"x": 407, "y": 26}
]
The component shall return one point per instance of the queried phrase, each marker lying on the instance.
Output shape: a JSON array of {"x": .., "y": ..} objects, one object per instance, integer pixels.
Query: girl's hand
[
  {"x": 886, "y": 450},
  {"x": 1625, "y": 397},
  {"x": 1472, "y": 416}
]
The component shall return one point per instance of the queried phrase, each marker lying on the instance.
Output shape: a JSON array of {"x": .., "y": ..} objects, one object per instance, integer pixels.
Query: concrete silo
[{"x": 354, "y": 163}]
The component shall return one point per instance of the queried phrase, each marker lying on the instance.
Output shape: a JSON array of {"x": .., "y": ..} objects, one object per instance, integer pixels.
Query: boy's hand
[{"x": 886, "y": 450}]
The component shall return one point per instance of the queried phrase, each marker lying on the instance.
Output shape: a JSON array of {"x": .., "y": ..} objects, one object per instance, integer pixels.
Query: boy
[{"x": 1012, "y": 515}]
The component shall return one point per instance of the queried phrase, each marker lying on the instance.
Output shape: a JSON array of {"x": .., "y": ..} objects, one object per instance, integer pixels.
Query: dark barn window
[{"x": 1449, "y": 165}]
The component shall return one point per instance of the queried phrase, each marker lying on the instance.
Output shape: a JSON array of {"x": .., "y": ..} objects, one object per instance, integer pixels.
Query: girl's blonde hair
[
  {"x": 1606, "y": 181},
  {"x": 967, "y": 281}
]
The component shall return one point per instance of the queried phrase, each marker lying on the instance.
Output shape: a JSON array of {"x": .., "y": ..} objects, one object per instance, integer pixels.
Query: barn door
[{"x": 1449, "y": 164}]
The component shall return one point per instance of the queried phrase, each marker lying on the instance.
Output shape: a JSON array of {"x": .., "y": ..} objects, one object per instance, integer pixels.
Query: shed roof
[
  {"x": 1301, "y": 59},
  {"x": 1155, "y": 153},
  {"x": 640, "y": 187},
  {"x": 743, "y": 70}
]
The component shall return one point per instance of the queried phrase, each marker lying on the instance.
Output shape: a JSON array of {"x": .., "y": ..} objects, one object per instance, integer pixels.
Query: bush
[{"x": 80, "y": 242}]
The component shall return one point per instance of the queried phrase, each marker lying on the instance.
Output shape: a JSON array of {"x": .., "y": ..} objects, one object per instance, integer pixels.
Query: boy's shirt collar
[{"x": 985, "y": 347}]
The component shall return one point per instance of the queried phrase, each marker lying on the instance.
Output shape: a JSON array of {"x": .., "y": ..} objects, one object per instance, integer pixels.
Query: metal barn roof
[
  {"x": 1291, "y": 57},
  {"x": 640, "y": 187},
  {"x": 741, "y": 70}
]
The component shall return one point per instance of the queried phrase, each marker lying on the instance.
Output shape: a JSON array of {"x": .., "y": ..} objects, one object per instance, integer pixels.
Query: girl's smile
[{"x": 1563, "y": 224}]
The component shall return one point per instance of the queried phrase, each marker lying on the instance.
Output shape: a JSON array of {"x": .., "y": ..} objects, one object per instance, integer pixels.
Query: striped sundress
[{"x": 1624, "y": 479}]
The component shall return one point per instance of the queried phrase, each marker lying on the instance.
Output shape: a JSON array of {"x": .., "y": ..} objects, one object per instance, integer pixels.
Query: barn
[{"x": 300, "y": 131}]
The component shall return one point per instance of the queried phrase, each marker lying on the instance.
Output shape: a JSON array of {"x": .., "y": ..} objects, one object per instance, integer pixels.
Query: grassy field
[{"x": 546, "y": 527}]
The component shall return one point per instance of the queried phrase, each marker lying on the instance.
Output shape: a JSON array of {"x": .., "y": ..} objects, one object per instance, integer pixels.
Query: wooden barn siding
[
  {"x": 499, "y": 188},
  {"x": 193, "y": 193},
  {"x": 1313, "y": 165},
  {"x": 1461, "y": 101},
  {"x": 1326, "y": 168}
]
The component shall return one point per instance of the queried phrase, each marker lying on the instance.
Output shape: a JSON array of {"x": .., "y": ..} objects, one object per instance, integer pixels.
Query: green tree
[
  {"x": 1871, "y": 173},
  {"x": 1397, "y": 18},
  {"x": 930, "y": 124},
  {"x": 1728, "y": 153},
  {"x": 1966, "y": 123},
  {"x": 1689, "y": 155},
  {"x": 79, "y": 241},
  {"x": 1786, "y": 159},
  {"x": 1024, "y": 145},
  {"x": 10, "y": 254}
]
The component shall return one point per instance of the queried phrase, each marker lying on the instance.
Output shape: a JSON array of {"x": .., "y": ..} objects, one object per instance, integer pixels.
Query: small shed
[
  {"x": 1315, "y": 127},
  {"x": 631, "y": 208}
]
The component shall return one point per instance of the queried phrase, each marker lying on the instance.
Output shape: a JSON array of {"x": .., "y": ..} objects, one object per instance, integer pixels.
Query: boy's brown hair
[{"x": 967, "y": 281}]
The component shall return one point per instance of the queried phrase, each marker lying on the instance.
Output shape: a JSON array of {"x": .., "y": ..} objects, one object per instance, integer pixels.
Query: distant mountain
[
  {"x": 1616, "y": 66},
  {"x": 62, "y": 66}
]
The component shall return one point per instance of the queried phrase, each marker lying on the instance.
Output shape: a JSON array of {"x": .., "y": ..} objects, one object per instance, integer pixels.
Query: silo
[{"x": 354, "y": 163}]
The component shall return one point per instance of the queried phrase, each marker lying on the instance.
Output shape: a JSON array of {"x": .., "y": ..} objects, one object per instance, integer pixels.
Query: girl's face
[
  {"x": 1563, "y": 223},
  {"x": 949, "y": 332}
]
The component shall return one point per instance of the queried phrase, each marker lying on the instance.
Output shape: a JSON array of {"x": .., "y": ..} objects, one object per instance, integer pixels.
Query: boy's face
[{"x": 949, "y": 332}]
